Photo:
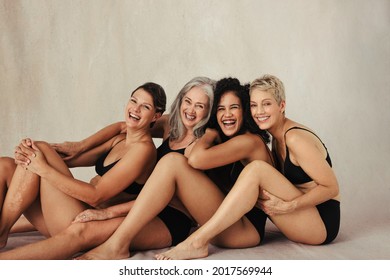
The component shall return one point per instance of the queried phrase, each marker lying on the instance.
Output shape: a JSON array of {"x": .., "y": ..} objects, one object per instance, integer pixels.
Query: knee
[
  {"x": 77, "y": 231},
  {"x": 171, "y": 159},
  {"x": 42, "y": 145},
  {"x": 256, "y": 168}
]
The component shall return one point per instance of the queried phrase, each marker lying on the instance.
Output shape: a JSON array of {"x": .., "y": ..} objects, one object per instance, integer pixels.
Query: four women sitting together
[{"x": 213, "y": 180}]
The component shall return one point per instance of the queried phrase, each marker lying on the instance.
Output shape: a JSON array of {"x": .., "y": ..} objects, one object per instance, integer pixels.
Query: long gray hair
[{"x": 175, "y": 121}]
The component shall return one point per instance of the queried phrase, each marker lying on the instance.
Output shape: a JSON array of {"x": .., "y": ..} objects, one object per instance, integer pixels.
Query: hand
[
  {"x": 92, "y": 215},
  {"x": 22, "y": 151},
  {"x": 37, "y": 160},
  {"x": 68, "y": 150},
  {"x": 273, "y": 205}
]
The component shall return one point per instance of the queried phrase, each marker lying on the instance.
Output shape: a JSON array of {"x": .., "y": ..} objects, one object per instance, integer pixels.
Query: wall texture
[{"x": 67, "y": 68}]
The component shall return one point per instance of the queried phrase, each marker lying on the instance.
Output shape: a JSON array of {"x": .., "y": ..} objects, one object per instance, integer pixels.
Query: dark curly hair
[{"x": 242, "y": 92}]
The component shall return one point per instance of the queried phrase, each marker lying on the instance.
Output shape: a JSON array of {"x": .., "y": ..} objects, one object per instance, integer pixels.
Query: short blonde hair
[{"x": 272, "y": 84}]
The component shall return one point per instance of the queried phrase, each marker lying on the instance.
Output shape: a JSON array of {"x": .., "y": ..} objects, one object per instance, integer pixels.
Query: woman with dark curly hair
[{"x": 231, "y": 142}]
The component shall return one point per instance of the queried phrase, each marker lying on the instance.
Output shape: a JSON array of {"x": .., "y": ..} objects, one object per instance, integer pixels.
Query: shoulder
[{"x": 300, "y": 140}]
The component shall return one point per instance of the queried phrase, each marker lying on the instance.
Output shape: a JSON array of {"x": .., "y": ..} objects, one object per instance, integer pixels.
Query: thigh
[
  {"x": 58, "y": 208},
  {"x": 305, "y": 225}
]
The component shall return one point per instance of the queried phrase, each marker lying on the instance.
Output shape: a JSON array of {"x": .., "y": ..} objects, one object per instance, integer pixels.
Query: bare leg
[
  {"x": 7, "y": 169},
  {"x": 23, "y": 196},
  {"x": 22, "y": 192},
  {"x": 22, "y": 225},
  {"x": 58, "y": 208},
  {"x": 303, "y": 226},
  {"x": 191, "y": 186}
]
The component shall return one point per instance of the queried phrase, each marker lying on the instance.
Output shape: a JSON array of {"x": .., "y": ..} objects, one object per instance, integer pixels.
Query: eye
[
  {"x": 200, "y": 106},
  {"x": 253, "y": 105},
  {"x": 267, "y": 104},
  {"x": 133, "y": 100},
  {"x": 187, "y": 101},
  {"x": 220, "y": 109},
  {"x": 235, "y": 107},
  {"x": 147, "y": 107}
]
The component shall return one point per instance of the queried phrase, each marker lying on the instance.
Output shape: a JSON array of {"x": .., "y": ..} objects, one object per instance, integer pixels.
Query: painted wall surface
[{"x": 67, "y": 69}]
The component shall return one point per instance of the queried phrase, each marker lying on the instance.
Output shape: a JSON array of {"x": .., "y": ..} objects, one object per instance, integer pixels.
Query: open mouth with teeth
[
  {"x": 134, "y": 117},
  {"x": 189, "y": 117},
  {"x": 262, "y": 119},
  {"x": 229, "y": 123}
]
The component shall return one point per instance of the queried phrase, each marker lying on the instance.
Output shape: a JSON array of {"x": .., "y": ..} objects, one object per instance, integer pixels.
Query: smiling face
[
  {"x": 230, "y": 114},
  {"x": 140, "y": 111},
  {"x": 265, "y": 109},
  {"x": 194, "y": 107}
]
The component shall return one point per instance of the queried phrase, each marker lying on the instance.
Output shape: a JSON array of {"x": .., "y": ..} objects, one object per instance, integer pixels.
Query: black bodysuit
[
  {"x": 178, "y": 224},
  {"x": 328, "y": 210},
  {"x": 100, "y": 169}
]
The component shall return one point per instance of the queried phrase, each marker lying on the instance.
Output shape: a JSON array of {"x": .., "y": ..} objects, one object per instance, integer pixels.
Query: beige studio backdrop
[{"x": 67, "y": 69}]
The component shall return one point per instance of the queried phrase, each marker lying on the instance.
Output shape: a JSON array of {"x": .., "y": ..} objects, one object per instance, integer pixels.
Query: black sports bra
[
  {"x": 100, "y": 169},
  {"x": 295, "y": 174}
]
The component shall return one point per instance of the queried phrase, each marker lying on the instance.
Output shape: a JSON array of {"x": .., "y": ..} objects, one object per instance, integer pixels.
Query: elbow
[
  {"x": 194, "y": 162},
  {"x": 95, "y": 201}
]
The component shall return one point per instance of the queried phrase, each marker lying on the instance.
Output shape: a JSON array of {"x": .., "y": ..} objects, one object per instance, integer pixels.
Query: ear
[
  {"x": 157, "y": 116},
  {"x": 282, "y": 106}
]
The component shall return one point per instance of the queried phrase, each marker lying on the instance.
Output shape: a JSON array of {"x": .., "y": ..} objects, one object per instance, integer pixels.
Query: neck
[
  {"x": 277, "y": 131},
  {"x": 137, "y": 135}
]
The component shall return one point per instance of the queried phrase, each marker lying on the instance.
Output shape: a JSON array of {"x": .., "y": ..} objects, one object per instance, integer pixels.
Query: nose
[
  {"x": 191, "y": 109},
  {"x": 257, "y": 110},
  {"x": 137, "y": 108},
  {"x": 228, "y": 112},
  {"x": 260, "y": 109}
]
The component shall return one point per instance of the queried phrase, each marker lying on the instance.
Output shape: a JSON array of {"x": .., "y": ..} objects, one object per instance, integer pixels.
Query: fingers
[
  {"x": 81, "y": 218},
  {"x": 57, "y": 147},
  {"x": 34, "y": 147},
  {"x": 63, "y": 149},
  {"x": 26, "y": 142},
  {"x": 23, "y": 152}
]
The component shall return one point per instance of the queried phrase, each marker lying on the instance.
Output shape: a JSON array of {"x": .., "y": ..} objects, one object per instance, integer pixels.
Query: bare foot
[
  {"x": 104, "y": 252},
  {"x": 185, "y": 251}
]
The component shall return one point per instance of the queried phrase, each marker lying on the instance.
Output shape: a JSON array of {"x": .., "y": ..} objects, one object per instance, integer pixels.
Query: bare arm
[
  {"x": 70, "y": 150},
  {"x": 312, "y": 160},
  {"x": 309, "y": 155},
  {"x": 119, "y": 210},
  {"x": 124, "y": 173},
  {"x": 161, "y": 127},
  {"x": 208, "y": 153}
]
